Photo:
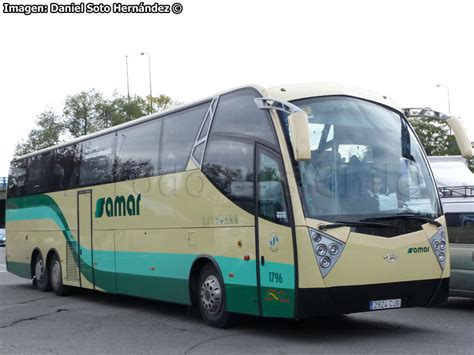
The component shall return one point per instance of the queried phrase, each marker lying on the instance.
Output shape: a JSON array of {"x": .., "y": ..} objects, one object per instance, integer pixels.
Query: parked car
[
  {"x": 456, "y": 187},
  {"x": 3, "y": 238}
]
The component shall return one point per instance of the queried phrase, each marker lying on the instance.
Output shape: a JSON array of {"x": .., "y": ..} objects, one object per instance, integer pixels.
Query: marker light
[
  {"x": 438, "y": 242},
  {"x": 327, "y": 250}
]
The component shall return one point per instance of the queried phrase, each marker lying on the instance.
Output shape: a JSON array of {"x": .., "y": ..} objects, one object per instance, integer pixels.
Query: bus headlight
[
  {"x": 333, "y": 249},
  {"x": 442, "y": 245},
  {"x": 321, "y": 249},
  {"x": 438, "y": 243},
  {"x": 325, "y": 262},
  {"x": 327, "y": 250}
]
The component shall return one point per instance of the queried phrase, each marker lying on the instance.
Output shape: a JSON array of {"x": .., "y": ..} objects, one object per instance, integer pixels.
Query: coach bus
[{"x": 291, "y": 201}]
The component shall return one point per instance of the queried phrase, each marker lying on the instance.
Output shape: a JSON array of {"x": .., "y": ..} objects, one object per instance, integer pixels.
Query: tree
[
  {"x": 84, "y": 113},
  {"x": 88, "y": 112},
  {"x": 435, "y": 136},
  {"x": 47, "y": 133}
]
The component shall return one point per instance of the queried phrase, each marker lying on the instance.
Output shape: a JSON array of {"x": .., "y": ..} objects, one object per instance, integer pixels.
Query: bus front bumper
[{"x": 352, "y": 299}]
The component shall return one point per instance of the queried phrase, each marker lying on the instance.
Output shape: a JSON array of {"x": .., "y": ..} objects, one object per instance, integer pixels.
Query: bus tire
[
  {"x": 211, "y": 298},
  {"x": 56, "y": 276},
  {"x": 41, "y": 276}
]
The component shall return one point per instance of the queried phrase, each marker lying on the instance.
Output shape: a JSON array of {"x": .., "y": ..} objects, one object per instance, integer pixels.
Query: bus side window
[
  {"x": 37, "y": 179},
  {"x": 97, "y": 160},
  {"x": 237, "y": 114},
  {"x": 17, "y": 179},
  {"x": 179, "y": 134},
  {"x": 271, "y": 190},
  {"x": 137, "y": 151},
  {"x": 65, "y": 168},
  {"x": 228, "y": 164}
]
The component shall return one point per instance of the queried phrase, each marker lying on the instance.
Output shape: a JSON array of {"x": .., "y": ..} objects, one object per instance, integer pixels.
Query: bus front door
[
  {"x": 276, "y": 269},
  {"x": 84, "y": 231}
]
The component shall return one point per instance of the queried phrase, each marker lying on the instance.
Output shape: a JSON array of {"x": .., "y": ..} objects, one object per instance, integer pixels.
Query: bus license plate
[{"x": 385, "y": 304}]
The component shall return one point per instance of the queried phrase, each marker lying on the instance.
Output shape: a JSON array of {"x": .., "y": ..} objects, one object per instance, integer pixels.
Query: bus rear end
[{"x": 372, "y": 234}]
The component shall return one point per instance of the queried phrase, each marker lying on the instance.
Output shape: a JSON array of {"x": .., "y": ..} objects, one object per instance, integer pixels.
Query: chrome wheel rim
[
  {"x": 56, "y": 274},
  {"x": 39, "y": 270},
  {"x": 211, "y": 295}
]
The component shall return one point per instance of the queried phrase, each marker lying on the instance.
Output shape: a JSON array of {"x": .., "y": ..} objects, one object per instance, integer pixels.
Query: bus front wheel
[
  {"x": 41, "y": 277},
  {"x": 211, "y": 298}
]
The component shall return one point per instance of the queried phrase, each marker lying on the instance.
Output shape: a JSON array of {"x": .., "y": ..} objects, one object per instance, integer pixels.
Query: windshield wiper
[
  {"x": 405, "y": 216},
  {"x": 338, "y": 224}
]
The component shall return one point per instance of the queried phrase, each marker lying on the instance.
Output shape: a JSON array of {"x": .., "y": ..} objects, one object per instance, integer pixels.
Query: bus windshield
[{"x": 365, "y": 162}]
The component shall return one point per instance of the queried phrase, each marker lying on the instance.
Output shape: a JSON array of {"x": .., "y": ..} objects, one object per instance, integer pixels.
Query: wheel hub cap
[
  {"x": 56, "y": 274},
  {"x": 39, "y": 270},
  {"x": 211, "y": 295}
]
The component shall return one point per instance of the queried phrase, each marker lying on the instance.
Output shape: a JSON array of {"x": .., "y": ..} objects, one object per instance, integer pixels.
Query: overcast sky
[{"x": 398, "y": 48}]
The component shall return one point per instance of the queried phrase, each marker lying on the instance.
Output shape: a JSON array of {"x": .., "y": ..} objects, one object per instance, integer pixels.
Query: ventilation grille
[{"x": 72, "y": 270}]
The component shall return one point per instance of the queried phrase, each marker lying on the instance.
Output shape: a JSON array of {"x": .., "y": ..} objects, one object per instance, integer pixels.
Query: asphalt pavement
[{"x": 33, "y": 322}]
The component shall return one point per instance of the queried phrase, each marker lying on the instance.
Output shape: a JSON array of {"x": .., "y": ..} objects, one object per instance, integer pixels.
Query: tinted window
[
  {"x": 271, "y": 190},
  {"x": 460, "y": 227},
  {"x": 198, "y": 152},
  {"x": 178, "y": 136},
  {"x": 37, "y": 177},
  {"x": 205, "y": 128},
  {"x": 97, "y": 160},
  {"x": 17, "y": 179},
  {"x": 137, "y": 151},
  {"x": 228, "y": 165},
  {"x": 65, "y": 168},
  {"x": 238, "y": 114}
]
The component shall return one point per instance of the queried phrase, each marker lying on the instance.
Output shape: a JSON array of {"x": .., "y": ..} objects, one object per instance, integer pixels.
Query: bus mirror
[
  {"x": 460, "y": 134},
  {"x": 299, "y": 135}
]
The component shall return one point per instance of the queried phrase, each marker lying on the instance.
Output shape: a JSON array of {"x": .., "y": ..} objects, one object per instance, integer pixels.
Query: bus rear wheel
[
  {"x": 211, "y": 298},
  {"x": 57, "y": 277},
  {"x": 41, "y": 277}
]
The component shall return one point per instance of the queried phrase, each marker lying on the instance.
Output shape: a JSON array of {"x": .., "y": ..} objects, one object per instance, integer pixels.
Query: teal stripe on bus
[{"x": 161, "y": 276}]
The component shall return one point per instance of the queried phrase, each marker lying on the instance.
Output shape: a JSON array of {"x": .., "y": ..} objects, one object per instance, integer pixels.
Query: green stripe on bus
[
  {"x": 19, "y": 269},
  {"x": 161, "y": 276}
]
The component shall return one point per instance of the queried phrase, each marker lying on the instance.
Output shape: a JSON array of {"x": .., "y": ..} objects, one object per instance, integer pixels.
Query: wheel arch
[
  {"x": 198, "y": 264},
  {"x": 51, "y": 252}
]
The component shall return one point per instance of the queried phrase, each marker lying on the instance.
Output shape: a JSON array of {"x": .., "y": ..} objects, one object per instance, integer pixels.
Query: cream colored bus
[{"x": 291, "y": 201}]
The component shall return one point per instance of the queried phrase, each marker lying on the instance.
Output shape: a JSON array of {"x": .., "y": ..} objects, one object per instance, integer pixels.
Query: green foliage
[
  {"x": 435, "y": 136},
  {"x": 88, "y": 112},
  {"x": 47, "y": 133}
]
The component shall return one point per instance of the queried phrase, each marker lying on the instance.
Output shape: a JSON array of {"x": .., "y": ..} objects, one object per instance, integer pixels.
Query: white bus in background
[{"x": 456, "y": 186}]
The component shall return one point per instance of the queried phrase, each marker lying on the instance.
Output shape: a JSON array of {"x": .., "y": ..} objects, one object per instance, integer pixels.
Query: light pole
[
  {"x": 447, "y": 89},
  {"x": 128, "y": 86},
  {"x": 149, "y": 77}
]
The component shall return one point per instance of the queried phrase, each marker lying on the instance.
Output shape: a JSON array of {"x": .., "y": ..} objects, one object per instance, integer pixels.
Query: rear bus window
[{"x": 17, "y": 179}]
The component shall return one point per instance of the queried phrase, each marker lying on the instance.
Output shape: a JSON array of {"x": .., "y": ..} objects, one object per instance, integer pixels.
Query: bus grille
[{"x": 72, "y": 271}]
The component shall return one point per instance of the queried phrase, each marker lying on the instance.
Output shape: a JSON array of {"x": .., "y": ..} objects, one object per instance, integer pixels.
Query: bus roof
[{"x": 284, "y": 92}]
